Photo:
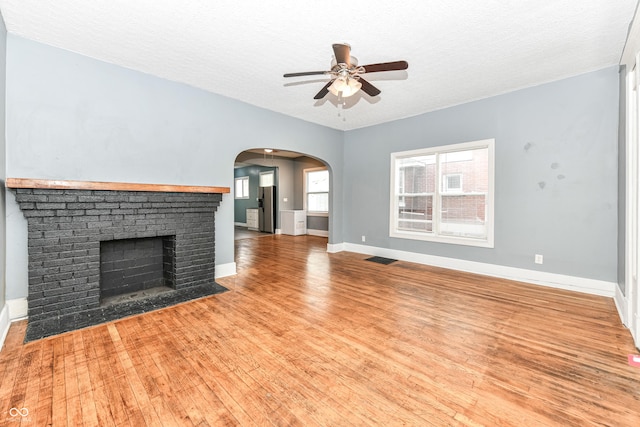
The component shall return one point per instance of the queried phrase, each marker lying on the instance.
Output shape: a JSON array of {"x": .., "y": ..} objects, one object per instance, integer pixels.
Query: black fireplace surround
[{"x": 65, "y": 231}]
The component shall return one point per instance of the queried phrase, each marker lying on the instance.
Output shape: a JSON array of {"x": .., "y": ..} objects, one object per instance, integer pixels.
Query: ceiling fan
[{"x": 346, "y": 75}]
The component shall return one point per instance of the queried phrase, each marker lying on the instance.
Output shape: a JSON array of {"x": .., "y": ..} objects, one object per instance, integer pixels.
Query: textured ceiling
[{"x": 458, "y": 50}]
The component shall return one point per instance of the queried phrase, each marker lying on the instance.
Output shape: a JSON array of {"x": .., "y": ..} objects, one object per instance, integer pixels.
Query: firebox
[{"x": 136, "y": 268}]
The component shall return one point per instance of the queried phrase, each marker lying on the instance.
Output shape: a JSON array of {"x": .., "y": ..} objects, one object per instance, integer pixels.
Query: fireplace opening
[{"x": 137, "y": 268}]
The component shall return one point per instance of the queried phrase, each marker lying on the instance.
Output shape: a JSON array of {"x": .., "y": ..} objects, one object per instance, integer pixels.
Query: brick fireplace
[{"x": 77, "y": 231}]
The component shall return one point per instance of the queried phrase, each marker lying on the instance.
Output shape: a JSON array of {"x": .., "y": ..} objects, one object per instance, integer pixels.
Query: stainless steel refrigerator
[{"x": 267, "y": 209}]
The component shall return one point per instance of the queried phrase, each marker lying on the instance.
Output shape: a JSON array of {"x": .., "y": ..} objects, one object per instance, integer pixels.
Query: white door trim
[{"x": 632, "y": 236}]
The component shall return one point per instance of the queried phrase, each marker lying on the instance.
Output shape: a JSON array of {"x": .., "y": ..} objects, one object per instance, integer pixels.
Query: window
[
  {"x": 242, "y": 187},
  {"x": 452, "y": 183},
  {"x": 266, "y": 179},
  {"x": 444, "y": 194},
  {"x": 316, "y": 191}
]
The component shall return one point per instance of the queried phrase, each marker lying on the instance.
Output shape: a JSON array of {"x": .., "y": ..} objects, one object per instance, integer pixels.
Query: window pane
[
  {"x": 318, "y": 202},
  {"x": 318, "y": 181},
  {"x": 416, "y": 174},
  {"x": 416, "y": 184},
  {"x": 266, "y": 179},
  {"x": 415, "y": 207},
  {"x": 415, "y": 213},
  {"x": 426, "y": 227},
  {"x": 470, "y": 165},
  {"x": 242, "y": 187},
  {"x": 245, "y": 187},
  {"x": 463, "y": 202},
  {"x": 464, "y": 215}
]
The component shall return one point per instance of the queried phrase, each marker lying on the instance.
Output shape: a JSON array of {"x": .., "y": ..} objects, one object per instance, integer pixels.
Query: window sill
[{"x": 462, "y": 241}]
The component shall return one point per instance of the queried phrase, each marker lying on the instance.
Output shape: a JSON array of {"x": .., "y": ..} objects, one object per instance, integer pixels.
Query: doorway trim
[{"x": 629, "y": 303}]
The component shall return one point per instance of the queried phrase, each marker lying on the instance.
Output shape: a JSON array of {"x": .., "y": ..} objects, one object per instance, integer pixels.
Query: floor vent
[{"x": 381, "y": 260}]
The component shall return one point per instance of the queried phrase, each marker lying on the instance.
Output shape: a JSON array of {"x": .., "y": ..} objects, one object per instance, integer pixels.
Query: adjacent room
[
  {"x": 319, "y": 213},
  {"x": 280, "y": 192}
]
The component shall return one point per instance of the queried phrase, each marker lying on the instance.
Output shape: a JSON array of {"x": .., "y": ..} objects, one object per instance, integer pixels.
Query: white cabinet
[
  {"x": 252, "y": 219},
  {"x": 293, "y": 223}
]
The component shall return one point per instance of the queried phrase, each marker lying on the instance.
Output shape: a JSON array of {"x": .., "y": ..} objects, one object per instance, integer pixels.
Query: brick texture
[{"x": 67, "y": 226}]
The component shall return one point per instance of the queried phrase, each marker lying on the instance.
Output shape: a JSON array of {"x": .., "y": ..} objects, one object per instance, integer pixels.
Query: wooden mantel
[{"x": 54, "y": 184}]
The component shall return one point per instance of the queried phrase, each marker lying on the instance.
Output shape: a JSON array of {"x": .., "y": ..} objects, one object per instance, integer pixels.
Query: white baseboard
[
  {"x": 560, "y": 281},
  {"x": 240, "y": 224},
  {"x": 321, "y": 233},
  {"x": 333, "y": 248},
  {"x": 14, "y": 309},
  {"x": 626, "y": 317},
  {"x": 224, "y": 270},
  {"x": 18, "y": 308},
  {"x": 621, "y": 305},
  {"x": 278, "y": 231},
  {"x": 5, "y": 323}
]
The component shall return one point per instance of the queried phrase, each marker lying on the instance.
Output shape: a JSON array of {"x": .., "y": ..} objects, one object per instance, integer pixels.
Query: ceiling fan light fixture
[
  {"x": 346, "y": 86},
  {"x": 346, "y": 74}
]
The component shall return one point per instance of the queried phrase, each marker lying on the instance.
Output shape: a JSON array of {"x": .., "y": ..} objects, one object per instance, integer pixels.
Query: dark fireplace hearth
[{"x": 97, "y": 255}]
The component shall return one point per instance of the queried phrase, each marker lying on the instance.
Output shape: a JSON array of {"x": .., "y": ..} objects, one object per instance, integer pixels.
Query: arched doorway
[{"x": 299, "y": 186}]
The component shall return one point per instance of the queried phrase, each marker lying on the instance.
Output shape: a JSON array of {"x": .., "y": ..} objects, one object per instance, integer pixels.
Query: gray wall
[
  {"x": 622, "y": 178},
  {"x": 3, "y": 68},
  {"x": 73, "y": 117},
  {"x": 556, "y": 175}
]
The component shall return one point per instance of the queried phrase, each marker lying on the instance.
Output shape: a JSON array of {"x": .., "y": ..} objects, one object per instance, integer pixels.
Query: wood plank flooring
[{"x": 307, "y": 338}]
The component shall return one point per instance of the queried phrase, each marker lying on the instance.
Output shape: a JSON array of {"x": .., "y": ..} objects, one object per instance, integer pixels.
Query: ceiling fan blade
[
  {"x": 368, "y": 88},
  {"x": 386, "y": 66},
  {"x": 324, "y": 90},
  {"x": 342, "y": 53},
  {"x": 305, "y": 73}
]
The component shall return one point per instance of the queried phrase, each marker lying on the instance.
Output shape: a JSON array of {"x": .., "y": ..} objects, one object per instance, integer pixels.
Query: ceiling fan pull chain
[{"x": 342, "y": 102}]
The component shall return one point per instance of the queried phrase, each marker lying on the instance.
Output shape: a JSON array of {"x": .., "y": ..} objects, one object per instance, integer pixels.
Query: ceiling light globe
[{"x": 346, "y": 86}]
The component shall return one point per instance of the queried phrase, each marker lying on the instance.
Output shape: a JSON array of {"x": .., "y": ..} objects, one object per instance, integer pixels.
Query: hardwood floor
[
  {"x": 309, "y": 338},
  {"x": 244, "y": 233}
]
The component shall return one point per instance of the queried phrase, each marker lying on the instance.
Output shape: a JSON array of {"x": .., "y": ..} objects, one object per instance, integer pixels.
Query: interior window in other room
[
  {"x": 242, "y": 187},
  {"x": 316, "y": 190},
  {"x": 266, "y": 179}
]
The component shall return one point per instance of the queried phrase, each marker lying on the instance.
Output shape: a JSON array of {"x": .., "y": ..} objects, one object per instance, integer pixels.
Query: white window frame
[
  {"x": 488, "y": 242},
  {"x": 243, "y": 179},
  {"x": 306, "y": 193}
]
